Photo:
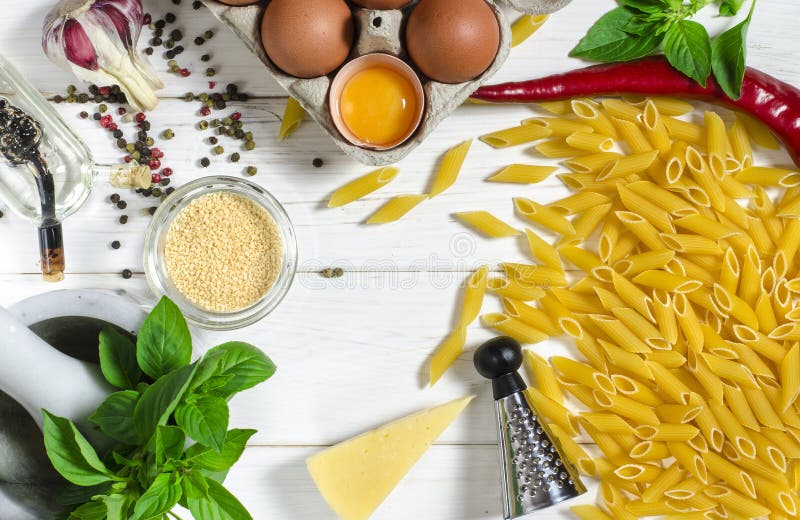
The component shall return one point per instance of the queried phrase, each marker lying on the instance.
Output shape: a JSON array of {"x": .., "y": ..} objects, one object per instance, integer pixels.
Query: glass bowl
[{"x": 155, "y": 266}]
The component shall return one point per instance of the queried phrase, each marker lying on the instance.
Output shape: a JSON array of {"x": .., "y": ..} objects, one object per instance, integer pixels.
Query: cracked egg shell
[
  {"x": 308, "y": 38},
  {"x": 382, "y": 4},
  {"x": 453, "y": 41}
]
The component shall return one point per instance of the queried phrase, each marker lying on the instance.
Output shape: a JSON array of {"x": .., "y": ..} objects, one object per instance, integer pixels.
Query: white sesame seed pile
[{"x": 223, "y": 252}]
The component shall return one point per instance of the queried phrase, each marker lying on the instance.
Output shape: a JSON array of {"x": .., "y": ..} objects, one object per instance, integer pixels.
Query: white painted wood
[{"x": 351, "y": 351}]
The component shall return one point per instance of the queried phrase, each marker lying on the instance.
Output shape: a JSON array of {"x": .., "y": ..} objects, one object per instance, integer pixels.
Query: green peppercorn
[
  {"x": 338, "y": 272},
  {"x": 205, "y": 57},
  {"x": 218, "y": 150},
  {"x": 216, "y": 122},
  {"x": 149, "y": 141},
  {"x": 209, "y": 103},
  {"x": 203, "y": 97},
  {"x": 238, "y": 134},
  {"x": 249, "y": 145},
  {"x": 227, "y": 121},
  {"x": 71, "y": 89},
  {"x": 130, "y": 147},
  {"x": 248, "y": 136},
  {"x": 238, "y": 125},
  {"x": 226, "y": 97},
  {"x": 203, "y": 124},
  {"x": 235, "y": 157},
  {"x": 172, "y": 63},
  {"x": 174, "y": 69},
  {"x": 230, "y": 132},
  {"x": 210, "y": 72},
  {"x": 169, "y": 44},
  {"x": 168, "y": 134},
  {"x": 208, "y": 34},
  {"x": 188, "y": 96},
  {"x": 136, "y": 155},
  {"x": 103, "y": 108},
  {"x": 251, "y": 170},
  {"x": 157, "y": 192},
  {"x": 72, "y": 98},
  {"x": 221, "y": 130}
]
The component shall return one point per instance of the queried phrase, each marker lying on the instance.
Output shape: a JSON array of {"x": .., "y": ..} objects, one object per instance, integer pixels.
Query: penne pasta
[
  {"x": 553, "y": 411},
  {"x": 543, "y": 251},
  {"x": 718, "y": 146},
  {"x": 655, "y": 129},
  {"x": 525, "y": 26},
  {"x": 790, "y": 377},
  {"x": 660, "y": 279},
  {"x": 589, "y": 512},
  {"x": 543, "y": 376},
  {"x": 760, "y": 134},
  {"x": 592, "y": 163},
  {"x": 627, "y": 165},
  {"x": 593, "y": 117},
  {"x": 621, "y": 110},
  {"x": 293, "y": 116},
  {"x": 487, "y": 224},
  {"x": 579, "y": 202},
  {"x": 544, "y": 216},
  {"x": 559, "y": 126},
  {"x": 556, "y": 107},
  {"x": 473, "y": 296},
  {"x": 447, "y": 354},
  {"x": 517, "y": 329},
  {"x": 531, "y": 315},
  {"x": 450, "y": 168},
  {"x": 577, "y": 372},
  {"x": 514, "y": 289},
  {"x": 395, "y": 209},
  {"x": 362, "y": 186},
  {"x": 515, "y": 136},
  {"x": 534, "y": 275},
  {"x": 523, "y": 174},
  {"x": 769, "y": 176},
  {"x": 684, "y": 131},
  {"x": 557, "y": 149},
  {"x": 740, "y": 143},
  {"x": 633, "y": 135},
  {"x": 590, "y": 142}
]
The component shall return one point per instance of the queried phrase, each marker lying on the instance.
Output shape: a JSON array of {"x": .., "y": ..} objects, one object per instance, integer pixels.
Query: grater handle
[{"x": 499, "y": 359}]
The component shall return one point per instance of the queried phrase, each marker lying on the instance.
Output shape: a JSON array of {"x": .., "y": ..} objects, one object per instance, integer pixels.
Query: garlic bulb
[{"x": 96, "y": 41}]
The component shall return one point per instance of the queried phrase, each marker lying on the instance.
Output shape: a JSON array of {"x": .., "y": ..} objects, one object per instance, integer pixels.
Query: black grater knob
[{"x": 499, "y": 359}]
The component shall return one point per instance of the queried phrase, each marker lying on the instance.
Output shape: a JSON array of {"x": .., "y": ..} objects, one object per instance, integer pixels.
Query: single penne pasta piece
[
  {"x": 395, "y": 209},
  {"x": 695, "y": 267},
  {"x": 559, "y": 126},
  {"x": 641, "y": 327},
  {"x": 543, "y": 251},
  {"x": 517, "y": 329},
  {"x": 772, "y": 391},
  {"x": 768, "y": 176},
  {"x": 576, "y": 301},
  {"x": 633, "y": 136},
  {"x": 750, "y": 278},
  {"x": 718, "y": 146},
  {"x": 660, "y": 279},
  {"x": 767, "y": 321},
  {"x": 487, "y": 224},
  {"x": 293, "y": 116},
  {"x": 689, "y": 460},
  {"x": 582, "y": 373},
  {"x": 685, "y": 490},
  {"x": 554, "y": 412},
  {"x": 643, "y": 207},
  {"x": 627, "y": 361},
  {"x": 669, "y": 385},
  {"x": 750, "y": 358},
  {"x": 632, "y": 295},
  {"x": 666, "y": 480},
  {"x": 608, "y": 300},
  {"x": 731, "y": 371},
  {"x": 632, "y": 388},
  {"x": 782, "y": 300},
  {"x": 705, "y": 227},
  {"x": 607, "y": 423},
  {"x": 561, "y": 107},
  {"x": 572, "y": 451},
  {"x": 450, "y": 168},
  {"x": 735, "y": 306},
  {"x": 637, "y": 473},
  {"x": 557, "y": 149},
  {"x": 765, "y": 210},
  {"x": 646, "y": 261},
  {"x": 666, "y": 358},
  {"x": 760, "y": 236},
  {"x": 677, "y": 413},
  {"x": 641, "y": 228},
  {"x": 589, "y": 512},
  {"x": 588, "y": 181},
  {"x": 534, "y": 275},
  {"x": 591, "y": 163},
  {"x": 670, "y": 106},
  {"x": 593, "y": 117},
  {"x": 705, "y": 179},
  {"x": 762, "y": 408},
  {"x": 666, "y": 200},
  {"x": 446, "y": 354},
  {"x": 769, "y": 452},
  {"x": 760, "y": 342},
  {"x": 578, "y": 202},
  {"x": 691, "y": 244},
  {"x": 710, "y": 382},
  {"x": 691, "y": 192},
  {"x": 614, "y": 501},
  {"x": 473, "y": 296},
  {"x": 543, "y": 376},
  {"x": 736, "y": 502},
  {"x": 531, "y": 315},
  {"x": 786, "y": 443},
  {"x": 779, "y": 496},
  {"x": 512, "y": 288},
  {"x": 621, "y": 110},
  {"x": 790, "y": 242},
  {"x": 637, "y": 412},
  {"x": 563, "y": 316},
  {"x": 587, "y": 262},
  {"x": 684, "y": 131},
  {"x": 650, "y": 450},
  {"x": 741, "y": 147},
  {"x": 362, "y": 186},
  {"x": 655, "y": 129},
  {"x": 733, "y": 430},
  {"x": 665, "y": 432},
  {"x": 664, "y": 314},
  {"x": 730, "y": 271},
  {"x": 525, "y": 26},
  {"x": 759, "y": 133},
  {"x": 619, "y": 333},
  {"x": 625, "y": 246},
  {"x": 590, "y": 142},
  {"x": 735, "y": 189},
  {"x": 544, "y": 216},
  {"x": 523, "y": 174},
  {"x": 588, "y": 222},
  {"x": 515, "y": 136},
  {"x": 674, "y": 164},
  {"x": 790, "y": 377},
  {"x": 730, "y": 473},
  {"x": 708, "y": 425},
  {"x": 739, "y": 406},
  {"x": 628, "y": 165},
  {"x": 605, "y": 472},
  {"x": 786, "y": 332},
  {"x": 791, "y": 209},
  {"x": 581, "y": 393}
]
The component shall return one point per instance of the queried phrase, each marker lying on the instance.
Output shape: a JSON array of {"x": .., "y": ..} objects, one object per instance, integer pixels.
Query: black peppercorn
[
  {"x": 230, "y": 88},
  {"x": 145, "y": 125},
  {"x": 141, "y": 135},
  {"x": 126, "y": 273},
  {"x": 148, "y": 51},
  {"x": 170, "y": 44},
  {"x": 205, "y": 57},
  {"x": 155, "y": 42},
  {"x": 146, "y": 193},
  {"x": 93, "y": 89},
  {"x": 83, "y": 98},
  {"x": 175, "y": 34},
  {"x": 122, "y": 204},
  {"x": 196, "y": 5},
  {"x": 158, "y": 33},
  {"x": 115, "y": 244},
  {"x": 176, "y": 2},
  {"x": 204, "y": 162},
  {"x": 157, "y": 192},
  {"x": 58, "y": 99},
  {"x": 84, "y": 114},
  {"x": 169, "y": 54},
  {"x": 98, "y": 98},
  {"x": 178, "y": 49},
  {"x": 169, "y": 17},
  {"x": 1, "y": 214},
  {"x": 220, "y": 105},
  {"x": 122, "y": 143},
  {"x": 199, "y": 40},
  {"x": 208, "y": 34},
  {"x": 170, "y": 190},
  {"x": 165, "y": 181},
  {"x": 115, "y": 197},
  {"x": 213, "y": 140},
  {"x": 317, "y": 163},
  {"x": 235, "y": 157},
  {"x": 117, "y": 134},
  {"x": 123, "y": 219},
  {"x": 152, "y": 210},
  {"x": 160, "y": 24}
]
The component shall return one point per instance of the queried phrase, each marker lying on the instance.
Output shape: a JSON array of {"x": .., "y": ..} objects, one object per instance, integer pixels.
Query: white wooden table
[{"x": 351, "y": 351}]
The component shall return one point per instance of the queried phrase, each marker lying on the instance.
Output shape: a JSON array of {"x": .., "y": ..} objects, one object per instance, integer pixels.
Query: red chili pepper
[{"x": 774, "y": 102}]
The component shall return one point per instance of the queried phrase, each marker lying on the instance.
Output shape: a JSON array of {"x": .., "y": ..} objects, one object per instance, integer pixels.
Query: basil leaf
[
  {"x": 232, "y": 449},
  {"x": 160, "y": 497},
  {"x": 164, "y": 343},
  {"x": 159, "y": 400},
  {"x": 220, "y": 504},
  {"x": 730, "y": 7},
  {"x": 728, "y": 54},
  {"x": 194, "y": 485},
  {"x": 204, "y": 420},
  {"x": 170, "y": 441},
  {"x": 71, "y": 454},
  {"x": 89, "y": 511},
  {"x": 608, "y": 41},
  {"x": 647, "y": 6},
  {"x": 688, "y": 48},
  {"x": 118, "y": 359},
  {"x": 117, "y": 506},
  {"x": 246, "y": 365},
  {"x": 114, "y": 417}
]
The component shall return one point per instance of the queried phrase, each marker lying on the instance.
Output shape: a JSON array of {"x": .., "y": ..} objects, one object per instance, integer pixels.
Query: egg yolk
[{"x": 379, "y": 106}]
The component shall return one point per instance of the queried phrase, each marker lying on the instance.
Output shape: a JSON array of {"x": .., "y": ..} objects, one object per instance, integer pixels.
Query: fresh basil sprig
[
  {"x": 163, "y": 401},
  {"x": 638, "y": 28}
]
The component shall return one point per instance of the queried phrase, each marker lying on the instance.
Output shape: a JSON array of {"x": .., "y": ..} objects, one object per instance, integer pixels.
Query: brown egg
[
  {"x": 382, "y": 4},
  {"x": 307, "y": 38},
  {"x": 452, "y": 41},
  {"x": 238, "y": 3}
]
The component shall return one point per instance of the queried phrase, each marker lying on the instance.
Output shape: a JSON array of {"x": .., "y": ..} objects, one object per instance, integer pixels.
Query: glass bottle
[{"x": 46, "y": 170}]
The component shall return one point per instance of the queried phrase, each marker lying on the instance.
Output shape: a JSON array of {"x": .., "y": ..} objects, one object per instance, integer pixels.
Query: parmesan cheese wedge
[{"x": 357, "y": 475}]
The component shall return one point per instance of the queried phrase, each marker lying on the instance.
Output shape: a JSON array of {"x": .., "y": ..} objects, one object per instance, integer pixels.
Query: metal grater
[{"x": 535, "y": 475}]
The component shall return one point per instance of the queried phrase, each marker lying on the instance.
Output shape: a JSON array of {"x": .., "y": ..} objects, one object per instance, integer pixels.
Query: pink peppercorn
[
  {"x": 105, "y": 121},
  {"x": 127, "y": 158},
  {"x": 140, "y": 117},
  {"x": 104, "y": 91},
  {"x": 121, "y": 111},
  {"x": 212, "y": 84},
  {"x": 112, "y": 127},
  {"x": 205, "y": 111},
  {"x": 156, "y": 177},
  {"x": 157, "y": 153},
  {"x": 166, "y": 172},
  {"x": 154, "y": 164},
  {"x": 184, "y": 72},
  {"x": 236, "y": 116},
  {"x": 147, "y": 19}
]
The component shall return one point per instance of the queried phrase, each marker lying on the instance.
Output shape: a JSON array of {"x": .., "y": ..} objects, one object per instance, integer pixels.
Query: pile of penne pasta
[{"x": 685, "y": 314}]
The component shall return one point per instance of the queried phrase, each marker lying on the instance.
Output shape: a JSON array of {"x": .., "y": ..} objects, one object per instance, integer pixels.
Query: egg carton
[{"x": 377, "y": 31}]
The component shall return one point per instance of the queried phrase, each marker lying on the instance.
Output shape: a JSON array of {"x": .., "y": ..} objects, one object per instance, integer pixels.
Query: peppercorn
[
  {"x": 122, "y": 204},
  {"x": 136, "y": 155},
  {"x": 231, "y": 88},
  {"x": 213, "y": 140},
  {"x": 243, "y": 97},
  {"x": 209, "y": 103},
  {"x": 204, "y": 162},
  {"x": 248, "y": 136},
  {"x": 93, "y": 89},
  {"x": 235, "y": 157},
  {"x": 227, "y": 121},
  {"x": 221, "y": 130},
  {"x": 157, "y": 192},
  {"x": 146, "y": 193},
  {"x": 216, "y": 122},
  {"x": 149, "y": 141},
  {"x": 165, "y": 182},
  {"x": 72, "y": 99},
  {"x": 58, "y": 99},
  {"x": 126, "y": 273},
  {"x": 176, "y": 2},
  {"x": 84, "y": 114},
  {"x": 103, "y": 108},
  {"x": 1, "y": 214},
  {"x": 205, "y": 111},
  {"x": 154, "y": 165},
  {"x": 203, "y": 124},
  {"x": 230, "y": 131},
  {"x": 148, "y": 51},
  {"x": 338, "y": 272},
  {"x": 249, "y": 145},
  {"x": 169, "y": 54},
  {"x": 210, "y": 72},
  {"x": 117, "y": 133},
  {"x": 317, "y": 162},
  {"x": 199, "y": 40},
  {"x": 115, "y": 197},
  {"x": 144, "y": 125},
  {"x": 155, "y": 42},
  {"x": 123, "y": 219},
  {"x": 185, "y": 73},
  {"x": 251, "y": 170},
  {"x": 196, "y": 5},
  {"x": 71, "y": 89},
  {"x": 236, "y": 116},
  {"x": 220, "y": 105},
  {"x": 115, "y": 244},
  {"x": 121, "y": 143},
  {"x": 218, "y": 150},
  {"x": 83, "y": 98},
  {"x": 208, "y": 34},
  {"x": 166, "y": 172},
  {"x": 170, "y": 44},
  {"x": 152, "y": 210},
  {"x": 237, "y": 125},
  {"x": 239, "y": 133},
  {"x": 160, "y": 24},
  {"x": 170, "y": 190},
  {"x": 178, "y": 49}
]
